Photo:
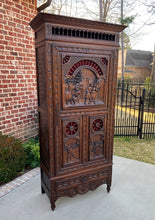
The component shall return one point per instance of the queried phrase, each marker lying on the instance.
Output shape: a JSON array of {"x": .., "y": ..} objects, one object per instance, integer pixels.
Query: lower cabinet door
[
  {"x": 72, "y": 141},
  {"x": 97, "y": 137},
  {"x": 83, "y": 141}
]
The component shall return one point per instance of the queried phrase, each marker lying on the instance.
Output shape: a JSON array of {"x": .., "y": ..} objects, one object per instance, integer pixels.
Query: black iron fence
[{"x": 135, "y": 110}]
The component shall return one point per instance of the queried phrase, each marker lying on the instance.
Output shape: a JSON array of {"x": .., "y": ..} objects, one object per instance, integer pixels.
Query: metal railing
[{"x": 135, "y": 112}]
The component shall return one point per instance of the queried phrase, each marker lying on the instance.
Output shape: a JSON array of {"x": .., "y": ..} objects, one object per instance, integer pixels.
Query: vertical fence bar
[
  {"x": 122, "y": 93},
  {"x": 139, "y": 116},
  {"x": 142, "y": 113}
]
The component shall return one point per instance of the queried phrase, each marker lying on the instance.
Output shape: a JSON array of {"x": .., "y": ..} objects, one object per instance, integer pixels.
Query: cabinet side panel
[
  {"x": 42, "y": 104},
  {"x": 44, "y": 142},
  {"x": 113, "y": 99},
  {"x": 41, "y": 78}
]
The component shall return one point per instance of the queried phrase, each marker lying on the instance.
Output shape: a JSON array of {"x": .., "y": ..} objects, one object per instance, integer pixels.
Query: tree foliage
[{"x": 126, "y": 20}]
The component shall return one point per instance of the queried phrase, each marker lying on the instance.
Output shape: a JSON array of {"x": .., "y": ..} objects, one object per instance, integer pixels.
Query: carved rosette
[
  {"x": 71, "y": 128},
  {"x": 97, "y": 124}
]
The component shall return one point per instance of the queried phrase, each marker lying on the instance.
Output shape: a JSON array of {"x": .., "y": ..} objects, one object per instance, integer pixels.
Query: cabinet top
[{"x": 43, "y": 18}]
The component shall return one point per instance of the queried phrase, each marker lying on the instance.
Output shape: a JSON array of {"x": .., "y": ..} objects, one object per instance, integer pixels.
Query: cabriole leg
[
  {"x": 108, "y": 187},
  {"x": 108, "y": 184},
  {"x": 52, "y": 206},
  {"x": 42, "y": 190}
]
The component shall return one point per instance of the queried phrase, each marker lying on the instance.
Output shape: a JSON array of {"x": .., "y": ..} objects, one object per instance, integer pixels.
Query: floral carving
[
  {"x": 71, "y": 128},
  {"x": 82, "y": 179},
  {"x": 97, "y": 124},
  {"x": 81, "y": 189},
  {"x": 105, "y": 61}
]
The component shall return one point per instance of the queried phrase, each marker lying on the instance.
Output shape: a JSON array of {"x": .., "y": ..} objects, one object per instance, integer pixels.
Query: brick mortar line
[{"x": 15, "y": 183}]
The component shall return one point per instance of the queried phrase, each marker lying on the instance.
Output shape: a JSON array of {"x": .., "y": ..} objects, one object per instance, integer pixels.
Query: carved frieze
[
  {"x": 81, "y": 189},
  {"x": 82, "y": 179}
]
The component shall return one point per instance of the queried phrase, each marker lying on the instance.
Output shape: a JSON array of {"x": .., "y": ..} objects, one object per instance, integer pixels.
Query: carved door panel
[
  {"x": 82, "y": 79},
  {"x": 97, "y": 137},
  {"x": 84, "y": 140},
  {"x": 72, "y": 145}
]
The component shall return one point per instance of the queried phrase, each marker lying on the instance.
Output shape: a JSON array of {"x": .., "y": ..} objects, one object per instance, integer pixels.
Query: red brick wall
[{"x": 18, "y": 94}]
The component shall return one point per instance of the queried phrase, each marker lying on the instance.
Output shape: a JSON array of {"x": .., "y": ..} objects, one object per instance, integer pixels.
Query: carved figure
[
  {"x": 82, "y": 87},
  {"x": 72, "y": 94},
  {"x": 68, "y": 96},
  {"x": 70, "y": 151},
  {"x": 77, "y": 94},
  {"x": 91, "y": 93},
  {"x": 97, "y": 146},
  {"x": 88, "y": 94}
]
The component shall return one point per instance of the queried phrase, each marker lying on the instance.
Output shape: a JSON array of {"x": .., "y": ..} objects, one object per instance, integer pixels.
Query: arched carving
[{"x": 89, "y": 64}]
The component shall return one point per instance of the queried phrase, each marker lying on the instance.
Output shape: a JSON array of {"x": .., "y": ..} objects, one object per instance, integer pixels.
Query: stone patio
[{"x": 132, "y": 197}]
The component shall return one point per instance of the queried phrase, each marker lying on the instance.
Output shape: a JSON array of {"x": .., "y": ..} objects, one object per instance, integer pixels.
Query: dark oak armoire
[{"x": 76, "y": 77}]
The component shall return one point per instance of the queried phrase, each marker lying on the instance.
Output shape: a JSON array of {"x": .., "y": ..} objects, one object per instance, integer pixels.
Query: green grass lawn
[{"x": 135, "y": 148}]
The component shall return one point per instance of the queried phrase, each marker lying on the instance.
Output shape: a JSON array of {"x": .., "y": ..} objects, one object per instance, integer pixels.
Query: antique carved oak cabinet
[{"x": 76, "y": 77}]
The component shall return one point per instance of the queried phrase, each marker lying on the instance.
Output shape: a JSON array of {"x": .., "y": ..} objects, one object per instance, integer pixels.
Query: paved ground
[
  {"x": 132, "y": 198},
  {"x": 7, "y": 188}
]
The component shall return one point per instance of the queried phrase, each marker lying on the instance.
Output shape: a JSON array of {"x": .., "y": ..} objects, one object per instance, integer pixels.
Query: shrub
[
  {"x": 150, "y": 92},
  {"x": 12, "y": 158},
  {"x": 32, "y": 153}
]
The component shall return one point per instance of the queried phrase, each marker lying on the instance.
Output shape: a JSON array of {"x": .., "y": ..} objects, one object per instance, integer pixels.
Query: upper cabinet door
[{"x": 84, "y": 80}]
